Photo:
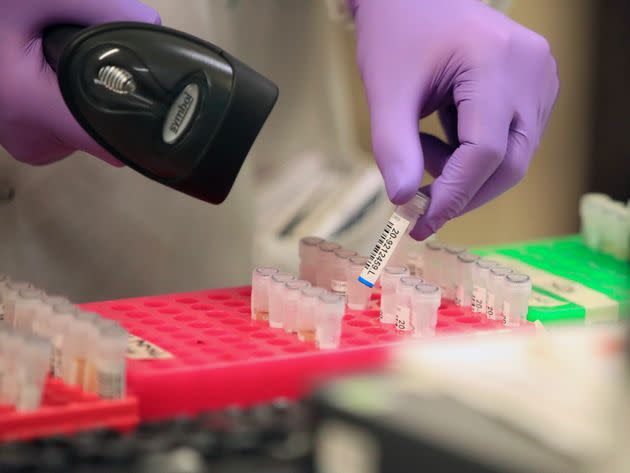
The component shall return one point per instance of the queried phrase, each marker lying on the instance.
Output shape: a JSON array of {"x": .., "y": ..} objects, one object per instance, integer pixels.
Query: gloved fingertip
[
  {"x": 424, "y": 229},
  {"x": 400, "y": 189}
]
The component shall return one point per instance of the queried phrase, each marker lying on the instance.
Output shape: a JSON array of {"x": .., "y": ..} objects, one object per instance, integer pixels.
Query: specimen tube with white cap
[
  {"x": 76, "y": 347},
  {"x": 328, "y": 322},
  {"x": 426, "y": 302},
  {"x": 494, "y": 297},
  {"x": 33, "y": 365},
  {"x": 276, "y": 298},
  {"x": 307, "y": 312},
  {"x": 399, "y": 225},
  {"x": 260, "y": 292},
  {"x": 389, "y": 282},
  {"x": 9, "y": 293},
  {"x": 110, "y": 362},
  {"x": 481, "y": 271},
  {"x": 517, "y": 289},
  {"x": 308, "y": 252},
  {"x": 450, "y": 270},
  {"x": 26, "y": 306},
  {"x": 325, "y": 262},
  {"x": 404, "y": 307},
  {"x": 292, "y": 302},
  {"x": 464, "y": 282},
  {"x": 433, "y": 257},
  {"x": 60, "y": 321},
  {"x": 339, "y": 274},
  {"x": 357, "y": 293}
]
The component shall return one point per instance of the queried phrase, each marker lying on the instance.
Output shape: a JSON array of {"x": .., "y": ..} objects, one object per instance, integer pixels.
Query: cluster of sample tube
[
  {"x": 42, "y": 335},
  {"x": 491, "y": 290},
  {"x": 606, "y": 225}
]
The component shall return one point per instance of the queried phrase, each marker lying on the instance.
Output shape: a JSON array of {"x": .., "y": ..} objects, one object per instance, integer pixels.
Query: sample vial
[
  {"x": 389, "y": 282},
  {"x": 481, "y": 270},
  {"x": 329, "y": 318},
  {"x": 90, "y": 379},
  {"x": 9, "y": 293},
  {"x": 307, "y": 312},
  {"x": 4, "y": 280},
  {"x": 404, "y": 306},
  {"x": 41, "y": 322},
  {"x": 260, "y": 293},
  {"x": 11, "y": 351},
  {"x": 26, "y": 306},
  {"x": 426, "y": 301},
  {"x": 291, "y": 303},
  {"x": 494, "y": 296},
  {"x": 109, "y": 363},
  {"x": 357, "y": 293},
  {"x": 517, "y": 289},
  {"x": 326, "y": 259},
  {"x": 464, "y": 283},
  {"x": 399, "y": 225},
  {"x": 276, "y": 298},
  {"x": 433, "y": 260},
  {"x": 450, "y": 269},
  {"x": 76, "y": 347},
  {"x": 339, "y": 274},
  {"x": 308, "y": 252},
  {"x": 33, "y": 364},
  {"x": 61, "y": 317}
]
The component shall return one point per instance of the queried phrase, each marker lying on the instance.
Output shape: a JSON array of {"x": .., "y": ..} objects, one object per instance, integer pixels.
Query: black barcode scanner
[{"x": 177, "y": 109}]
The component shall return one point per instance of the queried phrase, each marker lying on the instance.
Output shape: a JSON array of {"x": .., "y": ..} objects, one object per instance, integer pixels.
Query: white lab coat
[{"x": 93, "y": 232}]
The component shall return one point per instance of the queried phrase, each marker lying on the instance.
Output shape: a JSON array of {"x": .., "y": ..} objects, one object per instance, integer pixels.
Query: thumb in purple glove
[
  {"x": 36, "y": 127},
  {"x": 493, "y": 82}
]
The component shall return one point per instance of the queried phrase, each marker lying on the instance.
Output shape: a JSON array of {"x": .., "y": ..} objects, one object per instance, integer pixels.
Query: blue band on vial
[{"x": 366, "y": 282}]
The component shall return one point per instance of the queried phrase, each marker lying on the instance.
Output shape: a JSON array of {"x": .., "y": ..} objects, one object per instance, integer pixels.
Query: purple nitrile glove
[
  {"x": 36, "y": 127},
  {"x": 493, "y": 82}
]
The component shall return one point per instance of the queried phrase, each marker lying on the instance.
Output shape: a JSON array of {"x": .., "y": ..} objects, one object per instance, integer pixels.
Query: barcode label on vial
[
  {"x": 490, "y": 308},
  {"x": 506, "y": 313},
  {"x": 403, "y": 322},
  {"x": 479, "y": 299},
  {"x": 338, "y": 286},
  {"x": 385, "y": 247}
]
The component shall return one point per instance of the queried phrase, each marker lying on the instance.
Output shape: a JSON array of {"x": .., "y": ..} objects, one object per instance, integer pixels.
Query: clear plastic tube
[
  {"x": 76, "y": 347},
  {"x": 291, "y": 303},
  {"x": 328, "y": 323},
  {"x": 339, "y": 274},
  {"x": 308, "y": 252},
  {"x": 90, "y": 379},
  {"x": 325, "y": 262},
  {"x": 110, "y": 362},
  {"x": 41, "y": 322},
  {"x": 307, "y": 313},
  {"x": 464, "y": 283},
  {"x": 261, "y": 278},
  {"x": 404, "y": 306},
  {"x": 481, "y": 270},
  {"x": 426, "y": 301},
  {"x": 61, "y": 318},
  {"x": 9, "y": 293},
  {"x": 12, "y": 348},
  {"x": 398, "y": 226},
  {"x": 358, "y": 294},
  {"x": 494, "y": 298},
  {"x": 389, "y": 281},
  {"x": 433, "y": 256},
  {"x": 28, "y": 304},
  {"x": 4, "y": 280},
  {"x": 276, "y": 298},
  {"x": 33, "y": 364},
  {"x": 517, "y": 289},
  {"x": 450, "y": 269}
]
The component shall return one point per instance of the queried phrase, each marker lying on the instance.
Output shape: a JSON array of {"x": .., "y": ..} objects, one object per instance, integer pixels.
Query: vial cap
[
  {"x": 282, "y": 277},
  {"x": 30, "y": 293},
  {"x": 467, "y": 257},
  {"x": 55, "y": 299},
  {"x": 435, "y": 246},
  {"x": 396, "y": 270},
  {"x": 330, "y": 298},
  {"x": 328, "y": 246},
  {"x": 17, "y": 285},
  {"x": 427, "y": 289},
  {"x": 310, "y": 291},
  {"x": 345, "y": 254},
  {"x": 90, "y": 317},
  {"x": 454, "y": 250},
  {"x": 358, "y": 260},
  {"x": 500, "y": 271},
  {"x": 65, "y": 308},
  {"x": 516, "y": 278},
  {"x": 311, "y": 241},
  {"x": 486, "y": 263},
  {"x": 297, "y": 284},
  {"x": 411, "y": 281},
  {"x": 266, "y": 271}
]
